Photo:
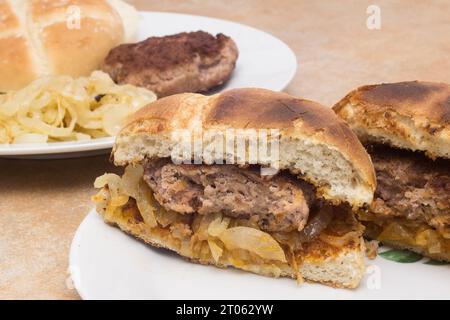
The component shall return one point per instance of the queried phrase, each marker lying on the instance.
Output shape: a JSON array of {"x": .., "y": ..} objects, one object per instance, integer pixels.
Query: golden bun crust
[
  {"x": 313, "y": 140},
  {"x": 16, "y": 63},
  {"x": 42, "y": 37},
  {"x": 409, "y": 115}
]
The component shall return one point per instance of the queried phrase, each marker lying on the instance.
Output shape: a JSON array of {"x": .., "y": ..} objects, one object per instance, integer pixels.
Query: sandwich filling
[
  {"x": 278, "y": 204},
  {"x": 229, "y": 214},
  {"x": 412, "y": 201}
]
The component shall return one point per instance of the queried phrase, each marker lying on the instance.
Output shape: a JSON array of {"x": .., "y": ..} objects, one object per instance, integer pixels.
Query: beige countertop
[{"x": 43, "y": 202}]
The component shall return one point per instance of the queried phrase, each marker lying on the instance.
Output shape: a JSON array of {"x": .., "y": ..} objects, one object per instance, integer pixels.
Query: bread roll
[
  {"x": 313, "y": 140},
  {"x": 412, "y": 115},
  {"x": 58, "y": 37}
]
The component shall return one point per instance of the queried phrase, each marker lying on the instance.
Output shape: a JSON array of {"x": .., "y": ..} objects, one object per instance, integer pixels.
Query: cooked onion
[
  {"x": 59, "y": 108},
  {"x": 201, "y": 226},
  {"x": 114, "y": 119},
  {"x": 252, "y": 240},
  {"x": 217, "y": 226},
  {"x": 131, "y": 179},
  {"x": 130, "y": 185},
  {"x": 396, "y": 232},
  {"x": 144, "y": 201},
  {"x": 166, "y": 218},
  {"x": 316, "y": 224},
  {"x": 430, "y": 239},
  {"x": 216, "y": 250},
  {"x": 114, "y": 183},
  {"x": 31, "y": 138},
  {"x": 339, "y": 241}
]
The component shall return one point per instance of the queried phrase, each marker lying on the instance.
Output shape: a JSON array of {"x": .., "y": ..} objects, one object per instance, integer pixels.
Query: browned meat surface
[
  {"x": 277, "y": 204},
  {"x": 184, "y": 62},
  {"x": 411, "y": 186}
]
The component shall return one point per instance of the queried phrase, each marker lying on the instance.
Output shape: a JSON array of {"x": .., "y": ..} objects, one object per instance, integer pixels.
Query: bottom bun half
[{"x": 340, "y": 266}]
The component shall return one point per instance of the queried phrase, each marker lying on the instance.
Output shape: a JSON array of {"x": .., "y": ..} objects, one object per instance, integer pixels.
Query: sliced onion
[
  {"x": 106, "y": 179},
  {"x": 254, "y": 241},
  {"x": 101, "y": 200},
  {"x": 114, "y": 183},
  {"x": 114, "y": 119},
  {"x": 119, "y": 200},
  {"x": 216, "y": 250},
  {"x": 166, "y": 218},
  {"x": 317, "y": 224},
  {"x": 144, "y": 203},
  {"x": 339, "y": 241},
  {"x": 31, "y": 138},
  {"x": 203, "y": 226},
  {"x": 61, "y": 107},
  {"x": 396, "y": 232},
  {"x": 131, "y": 179},
  {"x": 430, "y": 239},
  {"x": 217, "y": 226},
  {"x": 82, "y": 136}
]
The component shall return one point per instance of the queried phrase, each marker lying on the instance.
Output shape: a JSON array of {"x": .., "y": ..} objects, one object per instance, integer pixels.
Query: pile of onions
[{"x": 130, "y": 185}]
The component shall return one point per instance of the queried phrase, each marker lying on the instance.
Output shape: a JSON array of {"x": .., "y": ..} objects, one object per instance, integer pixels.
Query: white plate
[
  {"x": 70, "y": 149},
  {"x": 264, "y": 62},
  {"x": 107, "y": 264}
]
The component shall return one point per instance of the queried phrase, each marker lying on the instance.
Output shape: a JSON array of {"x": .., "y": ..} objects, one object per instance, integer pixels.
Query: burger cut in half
[
  {"x": 297, "y": 223},
  {"x": 406, "y": 128}
]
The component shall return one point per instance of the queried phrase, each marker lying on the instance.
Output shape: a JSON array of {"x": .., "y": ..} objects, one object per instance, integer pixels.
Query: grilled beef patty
[
  {"x": 412, "y": 186},
  {"x": 278, "y": 204},
  {"x": 184, "y": 62}
]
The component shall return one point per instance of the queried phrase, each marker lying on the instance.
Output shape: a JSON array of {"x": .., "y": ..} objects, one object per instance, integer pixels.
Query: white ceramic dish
[
  {"x": 264, "y": 61},
  {"x": 107, "y": 264},
  {"x": 70, "y": 149}
]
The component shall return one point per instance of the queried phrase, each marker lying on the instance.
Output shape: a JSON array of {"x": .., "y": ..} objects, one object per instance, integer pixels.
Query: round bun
[
  {"x": 313, "y": 141},
  {"x": 45, "y": 37},
  {"x": 409, "y": 115}
]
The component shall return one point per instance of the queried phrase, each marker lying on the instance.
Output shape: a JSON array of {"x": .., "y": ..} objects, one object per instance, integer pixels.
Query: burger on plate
[
  {"x": 248, "y": 178},
  {"x": 406, "y": 128}
]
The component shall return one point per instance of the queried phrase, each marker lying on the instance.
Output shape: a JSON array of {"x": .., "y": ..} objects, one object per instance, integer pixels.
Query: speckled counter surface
[{"x": 43, "y": 202}]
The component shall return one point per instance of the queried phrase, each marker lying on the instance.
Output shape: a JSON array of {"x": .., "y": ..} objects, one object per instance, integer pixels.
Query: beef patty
[
  {"x": 412, "y": 186},
  {"x": 277, "y": 204},
  {"x": 184, "y": 62}
]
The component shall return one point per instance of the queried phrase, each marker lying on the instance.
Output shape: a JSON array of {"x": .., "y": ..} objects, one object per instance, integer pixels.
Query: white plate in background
[
  {"x": 105, "y": 263},
  {"x": 54, "y": 150},
  {"x": 264, "y": 61}
]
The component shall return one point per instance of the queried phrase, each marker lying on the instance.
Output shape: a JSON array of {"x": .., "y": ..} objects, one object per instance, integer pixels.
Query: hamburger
[
  {"x": 406, "y": 129},
  {"x": 291, "y": 217}
]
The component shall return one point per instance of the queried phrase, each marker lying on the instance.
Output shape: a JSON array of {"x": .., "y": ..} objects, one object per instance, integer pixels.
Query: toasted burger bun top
[
  {"x": 410, "y": 115},
  {"x": 312, "y": 140},
  {"x": 54, "y": 37}
]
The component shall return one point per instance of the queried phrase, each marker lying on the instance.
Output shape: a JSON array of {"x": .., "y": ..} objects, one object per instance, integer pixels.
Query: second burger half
[
  {"x": 406, "y": 128},
  {"x": 280, "y": 205}
]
